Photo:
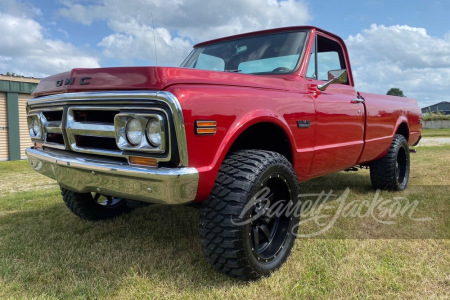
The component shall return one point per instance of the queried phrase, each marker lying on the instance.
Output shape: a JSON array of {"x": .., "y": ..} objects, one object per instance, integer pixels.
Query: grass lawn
[
  {"x": 46, "y": 252},
  {"x": 444, "y": 132}
]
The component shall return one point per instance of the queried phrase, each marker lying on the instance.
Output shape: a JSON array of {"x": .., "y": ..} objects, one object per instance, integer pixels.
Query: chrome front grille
[
  {"x": 85, "y": 123},
  {"x": 91, "y": 130}
]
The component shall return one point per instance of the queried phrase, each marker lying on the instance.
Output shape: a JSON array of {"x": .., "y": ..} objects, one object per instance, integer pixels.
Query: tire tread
[{"x": 221, "y": 240}]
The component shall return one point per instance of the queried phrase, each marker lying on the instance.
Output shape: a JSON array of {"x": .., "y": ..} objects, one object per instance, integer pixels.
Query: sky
[{"x": 396, "y": 43}]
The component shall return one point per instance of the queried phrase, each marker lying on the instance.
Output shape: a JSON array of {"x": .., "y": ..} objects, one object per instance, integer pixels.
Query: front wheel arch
[{"x": 264, "y": 136}]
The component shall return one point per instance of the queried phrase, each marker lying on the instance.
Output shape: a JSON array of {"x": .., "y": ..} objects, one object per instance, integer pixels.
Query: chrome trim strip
[
  {"x": 153, "y": 185},
  {"x": 179, "y": 126},
  {"x": 91, "y": 130},
  {"x": 53, "y": 127},
  {"x": 124, "y": 97}
]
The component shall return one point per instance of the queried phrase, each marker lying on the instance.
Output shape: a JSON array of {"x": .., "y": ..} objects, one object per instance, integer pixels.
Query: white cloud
[
  {"x": 179, "y": 24},
  {"x": 23, "y": 47},
  {"x": 135, "y": 40},
  {"x": 19, "y": 9},
  {"x": 401, "y": 56}
]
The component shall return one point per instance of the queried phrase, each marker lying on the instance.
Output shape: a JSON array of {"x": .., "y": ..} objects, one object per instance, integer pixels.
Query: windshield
[{"x": 266, "y": 54}]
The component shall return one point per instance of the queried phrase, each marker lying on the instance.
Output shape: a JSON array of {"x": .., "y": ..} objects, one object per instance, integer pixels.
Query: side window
[
  {"x": 327, "y": 61},
  {"x": 329, "y": 57}
]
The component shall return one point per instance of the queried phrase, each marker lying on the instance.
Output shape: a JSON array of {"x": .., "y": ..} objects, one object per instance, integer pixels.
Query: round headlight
[
  {"x": 134, "y": 132},
  {"x": 34, "y": 128},
  {"x": 154, "y": 132}
]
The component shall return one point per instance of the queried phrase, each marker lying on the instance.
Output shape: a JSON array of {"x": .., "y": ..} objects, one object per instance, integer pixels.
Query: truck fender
[
  {"x": 240, "y": 125},
  {"x": 235, "y": 130}
]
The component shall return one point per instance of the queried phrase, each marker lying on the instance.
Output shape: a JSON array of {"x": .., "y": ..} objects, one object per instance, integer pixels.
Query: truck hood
[{"x": 151, "y": 78}]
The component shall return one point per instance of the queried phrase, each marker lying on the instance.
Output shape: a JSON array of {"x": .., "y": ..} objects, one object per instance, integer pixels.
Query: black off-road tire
[
  {"x": 392, "y": 171},
  {"x": 87, "y": 206},
  {"x": 254, "y": 249}
]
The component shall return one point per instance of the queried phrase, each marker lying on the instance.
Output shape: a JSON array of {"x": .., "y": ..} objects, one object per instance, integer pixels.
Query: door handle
[{"x": 357, "y": 100}]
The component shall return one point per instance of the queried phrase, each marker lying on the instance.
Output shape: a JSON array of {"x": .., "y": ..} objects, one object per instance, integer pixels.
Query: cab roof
[{"x": 269, "y": 31}]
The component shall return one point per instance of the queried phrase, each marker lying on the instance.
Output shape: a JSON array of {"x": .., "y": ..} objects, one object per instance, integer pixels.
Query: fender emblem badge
[{"x": 303, "y": 123}]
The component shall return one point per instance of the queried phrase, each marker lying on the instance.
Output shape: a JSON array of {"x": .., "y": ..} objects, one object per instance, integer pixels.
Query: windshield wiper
[{"x": 233, "y": 71}]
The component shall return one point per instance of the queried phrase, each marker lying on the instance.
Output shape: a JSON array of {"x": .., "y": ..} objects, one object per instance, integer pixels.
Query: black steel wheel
[
  {"x": 94, "y": 206},
  {"x": 269, "y": 232},
  {"x": 245, "y": 230},
  {"x": 391, "y": 172}
]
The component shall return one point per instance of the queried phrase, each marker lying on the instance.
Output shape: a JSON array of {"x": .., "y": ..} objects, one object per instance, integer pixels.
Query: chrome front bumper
[{"x": 153, "y": 185}]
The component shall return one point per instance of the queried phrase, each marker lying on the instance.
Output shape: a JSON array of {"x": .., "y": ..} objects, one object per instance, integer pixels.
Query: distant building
[
  {"x": 15, "y": 91},
  {"x": 443, "y": 107}
]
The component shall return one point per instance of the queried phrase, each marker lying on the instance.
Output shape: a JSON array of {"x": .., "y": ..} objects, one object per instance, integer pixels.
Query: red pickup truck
[{"x": 243, "y": 114}]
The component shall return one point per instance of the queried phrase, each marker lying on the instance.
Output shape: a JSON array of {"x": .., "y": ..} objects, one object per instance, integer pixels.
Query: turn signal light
[
  {"x": 143, "y": 161},
  {"x": 206, "y": 130},
  {"x": 205, "y": 127}
]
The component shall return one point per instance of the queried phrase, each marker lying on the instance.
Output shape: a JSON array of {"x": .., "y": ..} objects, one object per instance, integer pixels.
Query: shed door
[
  {"x": 25, "y": 140},
  {"x": 4, "y": 155}
]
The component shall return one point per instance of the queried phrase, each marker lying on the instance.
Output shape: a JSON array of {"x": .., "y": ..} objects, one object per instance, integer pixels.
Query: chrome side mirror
[{"x": 334, "y": 76}]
